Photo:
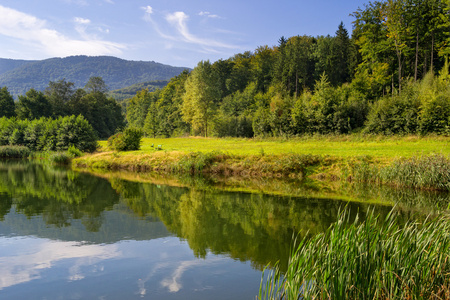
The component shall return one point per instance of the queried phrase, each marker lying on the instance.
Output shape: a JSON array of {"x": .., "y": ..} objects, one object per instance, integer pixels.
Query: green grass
[
  {"x": 374, "y": 259},
  {"x": 337, "y": 146}
]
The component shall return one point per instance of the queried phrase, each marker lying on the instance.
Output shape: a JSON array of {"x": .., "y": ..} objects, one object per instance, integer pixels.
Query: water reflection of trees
[
  {"x": 59, "y": 195},
  {"x": 245, "y": 226}
]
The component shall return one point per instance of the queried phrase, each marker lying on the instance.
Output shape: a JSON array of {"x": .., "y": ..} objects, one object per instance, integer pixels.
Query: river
[{"x": 72, "y": 235}]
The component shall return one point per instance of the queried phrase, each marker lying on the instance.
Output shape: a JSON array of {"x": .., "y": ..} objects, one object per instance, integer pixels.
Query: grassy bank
[
  {"x": 375, "y": 259},
  {"x": 349, "y": 158}
]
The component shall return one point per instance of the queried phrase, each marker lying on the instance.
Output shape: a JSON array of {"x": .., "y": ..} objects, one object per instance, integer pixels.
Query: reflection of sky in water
[
  {"x": 24, "y": 259},
  {"x": 163, "y": 268}
]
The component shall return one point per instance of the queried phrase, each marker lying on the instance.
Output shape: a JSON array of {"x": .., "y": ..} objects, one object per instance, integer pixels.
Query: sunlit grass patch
[{"x": 341, "y": 146}]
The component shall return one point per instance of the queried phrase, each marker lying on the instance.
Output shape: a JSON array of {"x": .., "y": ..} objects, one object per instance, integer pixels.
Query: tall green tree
[
  {"x": 342, "y": 53},
  {"x": 33, "y": 105},
  {"x": 201, "y": 97},
  {"x": 59, "y": 93},
  {"x": 395, "y": 20},
  {"x": 299, "y": 63},
  {"x": 138, "y": 106},
  {"x": 263, "y": 63},
  {"x": 7, "y": 106},
  {"x": 96, "y": 84}
]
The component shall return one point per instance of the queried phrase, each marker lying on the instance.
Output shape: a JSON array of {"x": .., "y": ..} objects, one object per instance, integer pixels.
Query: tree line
[
  {"x": 61, "y": 99},
  {"x": 389, "y": 77}
]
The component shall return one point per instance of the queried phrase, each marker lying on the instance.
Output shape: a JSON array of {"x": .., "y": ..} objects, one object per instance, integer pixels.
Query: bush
[
  {"x": 74, "y": 151},
  {"x": 128, "y": 140},
  {"x": 14, "y": 151},
  {"x": 47, "y": 134},
  {"x": 75, "y": 131},
  {"x": 435, "y": 116},
  {"x": 62, "y": 158}
]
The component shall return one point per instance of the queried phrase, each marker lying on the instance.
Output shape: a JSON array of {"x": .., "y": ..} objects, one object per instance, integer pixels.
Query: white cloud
[
  {"x": 209, "y": 15},
  {"x": 148, "y": 9},
  {"x": 82, "y": 21},
  {"x": 39, "y": 34},
  {"x": 179, "y": 21}
]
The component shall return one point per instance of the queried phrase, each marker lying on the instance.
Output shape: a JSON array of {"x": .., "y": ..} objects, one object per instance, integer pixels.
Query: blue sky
[{"x": 174, "y": 32}]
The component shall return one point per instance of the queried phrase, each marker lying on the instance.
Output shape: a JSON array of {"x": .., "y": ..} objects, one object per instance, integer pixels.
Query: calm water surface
[{"x": 69, "y": 235}]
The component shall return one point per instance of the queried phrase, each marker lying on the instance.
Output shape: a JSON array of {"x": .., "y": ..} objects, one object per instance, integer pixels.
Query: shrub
[
  {"x": 128, "y": 140},
  {"x": 14, "y": 151},
  {"x": 74, "y": 151},
  {"x": 75, "y": 131},
  {"x": 62, "y": 158},
  {"x": 435, "y": 115}
]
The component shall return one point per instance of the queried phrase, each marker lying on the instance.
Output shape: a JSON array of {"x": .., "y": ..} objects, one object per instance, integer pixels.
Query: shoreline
[{"x": 427, "y": 172}]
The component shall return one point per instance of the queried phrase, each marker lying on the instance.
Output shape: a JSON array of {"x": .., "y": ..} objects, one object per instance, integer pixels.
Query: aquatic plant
[
  {"x": 62, "y": 158},
  {"x": 422, "y": 172},
  {"x": 14, "y": 151},
  {"x": 374, "y": 259}
]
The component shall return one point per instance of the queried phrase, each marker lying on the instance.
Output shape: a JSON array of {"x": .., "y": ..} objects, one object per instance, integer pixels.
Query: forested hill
[
  {"x": 10, "y": 64},
  {"x": 19, "y": 76}
]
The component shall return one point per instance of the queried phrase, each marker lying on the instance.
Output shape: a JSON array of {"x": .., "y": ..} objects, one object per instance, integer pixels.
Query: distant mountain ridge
[
  {"x": 7, "y": 64},
  {"x": 21, "y": 75}
]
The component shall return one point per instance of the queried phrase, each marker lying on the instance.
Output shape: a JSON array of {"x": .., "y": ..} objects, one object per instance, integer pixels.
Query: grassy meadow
[{"x": 335, "y": 146}]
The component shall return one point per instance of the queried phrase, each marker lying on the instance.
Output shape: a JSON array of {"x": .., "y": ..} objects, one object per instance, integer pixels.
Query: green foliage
[
  {"x": 373, "y": 259},
  {"x": 75, "y": 132},
  {"x": 48, "y": 134},
  {"x": 430, "y": 172},
  {"x": 14, "y": 152},
  {"x": 33, "y": 105},
  {"x": 129, "y": 91},
  {"x": 128, "y": 140},
  {"x": 60, "y": 158},
  {"x": 103, "y": 113},
  {"x": 59, "y": 93},
  {"x": 74, "y": 151},
  {"x": 7, "y": 106},
  {"x": 201, "y": 98}
]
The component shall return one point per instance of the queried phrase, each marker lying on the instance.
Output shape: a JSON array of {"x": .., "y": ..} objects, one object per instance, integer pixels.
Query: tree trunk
[
  {"x": 432, "y": 51},
  {"x": 417, "y": 55},
  {"x": 399, "y": 56}
]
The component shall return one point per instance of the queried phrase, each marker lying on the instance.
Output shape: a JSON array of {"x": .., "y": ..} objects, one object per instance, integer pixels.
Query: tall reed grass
[
  {"x": 423, "y": 172},
  {"x": 14, "y": 152},
  {"x": 373, "y": 259}
]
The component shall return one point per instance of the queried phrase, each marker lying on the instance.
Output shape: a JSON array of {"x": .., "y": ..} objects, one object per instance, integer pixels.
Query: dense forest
[{"x": 391, "y": 76}]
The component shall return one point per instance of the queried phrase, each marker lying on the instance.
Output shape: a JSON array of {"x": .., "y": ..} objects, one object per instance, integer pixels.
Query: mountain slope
[
  {"x": 117, "y": 73},
  {"x": 130, "y": 91},
  {"x": 10, "y": 64}
]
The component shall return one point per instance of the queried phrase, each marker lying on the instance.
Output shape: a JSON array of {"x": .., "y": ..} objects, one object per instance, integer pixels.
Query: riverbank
[{"x": 418, "y": 162}]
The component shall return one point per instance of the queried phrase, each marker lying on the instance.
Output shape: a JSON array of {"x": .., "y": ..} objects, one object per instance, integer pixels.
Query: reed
[
  {"x": 373, "y": 259},
  {"x": 14, "y": 152},
  {"x": 421, "y": 172},
  {"x": 60, "y": 158}
]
